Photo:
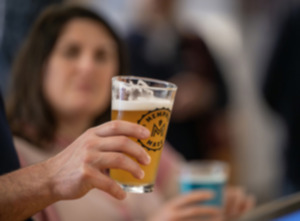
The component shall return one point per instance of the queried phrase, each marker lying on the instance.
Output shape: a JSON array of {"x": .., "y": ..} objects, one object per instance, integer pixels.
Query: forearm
[{"x": 24, "y": 192}]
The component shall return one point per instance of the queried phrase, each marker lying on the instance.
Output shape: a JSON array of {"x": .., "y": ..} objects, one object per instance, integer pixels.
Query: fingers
[
  {"x": 191, "y": 198},
  {"x": 237, "y": 202},
  {"x": 200, "y": 211},
  {"x": 118, "y": 127},
  {"x": 125, "y": 145},
  {"x": 248, "y": 204},
  {"x": 105, "y": 147},
  {"x": 114, "y": 160},
  {"x": 233, "y": 200},
  {"x": 108, "y": 185}
]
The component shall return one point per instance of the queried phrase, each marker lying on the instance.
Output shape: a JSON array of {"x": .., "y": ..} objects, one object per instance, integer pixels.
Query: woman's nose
[{"x": 86, "y": 64}]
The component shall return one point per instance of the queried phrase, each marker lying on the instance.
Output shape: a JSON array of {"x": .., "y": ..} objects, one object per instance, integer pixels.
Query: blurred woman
[{"x": 60, "y": 88}]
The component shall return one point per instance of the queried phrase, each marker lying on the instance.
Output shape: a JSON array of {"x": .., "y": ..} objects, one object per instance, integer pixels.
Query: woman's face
[{"x": 79, "y": 69}]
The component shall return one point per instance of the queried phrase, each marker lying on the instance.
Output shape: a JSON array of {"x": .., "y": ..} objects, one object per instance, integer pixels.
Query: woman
[{"x": 61, "y": 87}]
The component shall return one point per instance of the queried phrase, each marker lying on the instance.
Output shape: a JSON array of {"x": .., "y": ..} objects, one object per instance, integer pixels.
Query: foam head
[{"x": 139, "y": 96}]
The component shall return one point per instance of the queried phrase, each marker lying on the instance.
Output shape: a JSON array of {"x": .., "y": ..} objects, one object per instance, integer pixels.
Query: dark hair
[{"x": 29, "y": 114}]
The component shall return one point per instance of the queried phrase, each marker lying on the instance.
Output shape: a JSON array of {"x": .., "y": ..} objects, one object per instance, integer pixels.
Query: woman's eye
[
  {"x": 100, "y": 55},
  {"x": 72, "y": 52}
]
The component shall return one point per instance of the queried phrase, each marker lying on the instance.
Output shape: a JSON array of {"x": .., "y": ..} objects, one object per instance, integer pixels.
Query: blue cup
[{"x": 205, "y": 175}]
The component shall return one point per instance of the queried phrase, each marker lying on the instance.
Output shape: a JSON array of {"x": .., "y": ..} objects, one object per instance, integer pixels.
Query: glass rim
[
  {"x": 169, "y": 86},
  {"x": 215, "y": 163}
]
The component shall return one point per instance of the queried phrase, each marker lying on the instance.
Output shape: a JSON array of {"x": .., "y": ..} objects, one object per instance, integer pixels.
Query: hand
[
  {"x": 83, "y": 165},
  {"x": 237, "y": 202},
  {"x": 186, "y": 207}
]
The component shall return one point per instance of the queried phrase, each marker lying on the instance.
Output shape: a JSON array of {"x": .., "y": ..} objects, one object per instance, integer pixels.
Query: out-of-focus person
[
  {"x": 64, "y": 89},
  {"x": 78, "y": 168},
  {"x": 160, "y": 48}
]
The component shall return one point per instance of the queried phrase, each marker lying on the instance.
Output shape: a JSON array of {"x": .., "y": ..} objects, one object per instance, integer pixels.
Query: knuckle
[
  {"x": 141, "y": 154},
  {"x": 85, "y": 173},
  {"x": 109, "y": 185},
  {"x": 120, "y": 159},
  {"x": 124, "y": 141},
  {"x": 90, "y": 131},
  {"x": 90, "y": 144},
  {"x": 88, "y": 159},
  {"x": 114, "y": 126},
  {"x": 87, "y": 145}
]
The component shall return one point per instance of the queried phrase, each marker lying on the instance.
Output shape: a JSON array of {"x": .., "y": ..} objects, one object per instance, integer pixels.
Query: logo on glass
[{"x": 157, "y": 122}]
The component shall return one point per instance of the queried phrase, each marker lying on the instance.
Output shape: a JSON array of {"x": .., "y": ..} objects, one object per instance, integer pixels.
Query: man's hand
[
  {"x": 84, "y": 164},
  {"x": 73, "y": 172},
  {"x": 188, "y": 207}
]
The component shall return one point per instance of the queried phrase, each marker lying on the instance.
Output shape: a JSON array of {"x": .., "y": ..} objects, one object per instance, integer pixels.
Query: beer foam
[
  {"x": 141, "y": 104},
  {"x": 137, "y": 96}
]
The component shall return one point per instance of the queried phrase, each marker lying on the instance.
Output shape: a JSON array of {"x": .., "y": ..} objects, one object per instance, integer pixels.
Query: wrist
[{"x": 50, "y": 182}]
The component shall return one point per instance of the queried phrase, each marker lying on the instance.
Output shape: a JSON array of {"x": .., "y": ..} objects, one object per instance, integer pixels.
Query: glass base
[{"x": 148, "y": 188}]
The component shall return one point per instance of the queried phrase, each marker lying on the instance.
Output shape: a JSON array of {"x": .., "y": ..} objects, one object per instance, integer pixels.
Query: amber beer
[{"x": 153, "y": 113}]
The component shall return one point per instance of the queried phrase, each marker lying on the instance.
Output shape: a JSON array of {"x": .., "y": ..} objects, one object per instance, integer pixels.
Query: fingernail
[
  {"x": 148, "y": 159},
  {"x": 141, "y": 175}
]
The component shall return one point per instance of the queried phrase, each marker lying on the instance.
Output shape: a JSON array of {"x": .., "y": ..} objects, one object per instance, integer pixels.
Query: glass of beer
[
  {"x": 147, "y": 102},
  {"x": 208, "y": 175}
]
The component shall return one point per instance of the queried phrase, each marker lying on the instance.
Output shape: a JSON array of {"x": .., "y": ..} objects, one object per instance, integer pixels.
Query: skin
[
  {"x": 77, "y": 85},
  {"x": 74, "y": 171},
  {"x": 185, "y": 207},
  {"x": 237, "y": 202},
  {"x": 78, "y": 75},
  {"x": 76, "y": 67},
  {"x": 77, "y": 81}
]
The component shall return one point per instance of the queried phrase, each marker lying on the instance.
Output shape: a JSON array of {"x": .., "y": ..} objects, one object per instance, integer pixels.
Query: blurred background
[{"x": 239, "y": 35}]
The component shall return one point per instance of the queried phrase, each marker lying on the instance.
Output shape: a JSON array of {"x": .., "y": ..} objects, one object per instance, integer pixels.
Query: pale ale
[
  {"x": 156, "y": 119},
  {"x": 137, "y": 100}
]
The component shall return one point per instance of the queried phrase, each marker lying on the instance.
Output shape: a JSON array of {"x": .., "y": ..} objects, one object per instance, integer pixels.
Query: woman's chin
[{"x": 86, "y": 109}]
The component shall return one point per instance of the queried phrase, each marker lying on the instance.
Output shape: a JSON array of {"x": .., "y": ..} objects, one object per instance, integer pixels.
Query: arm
[
  {"x": 24, "y": 192},
  {"x": 74, "y": 171}
]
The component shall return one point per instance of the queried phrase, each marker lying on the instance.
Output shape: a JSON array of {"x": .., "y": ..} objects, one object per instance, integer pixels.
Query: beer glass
[
  {"x": 147, "y": 102},
  {"x": 205, "y": 175}
]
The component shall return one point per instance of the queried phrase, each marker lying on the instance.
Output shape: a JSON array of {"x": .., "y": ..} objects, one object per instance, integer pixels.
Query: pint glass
[
  {"x": 147, "y": 102},
  {"x": 205, "y": 175}
]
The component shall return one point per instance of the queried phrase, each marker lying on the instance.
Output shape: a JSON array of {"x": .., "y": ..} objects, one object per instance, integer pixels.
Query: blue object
[
  {"x": 187, "y": 186},
  {"x": 295, "y": 216}
]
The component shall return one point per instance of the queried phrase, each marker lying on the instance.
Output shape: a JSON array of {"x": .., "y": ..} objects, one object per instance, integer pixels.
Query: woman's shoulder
[{"x": 28, "y": 153}]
